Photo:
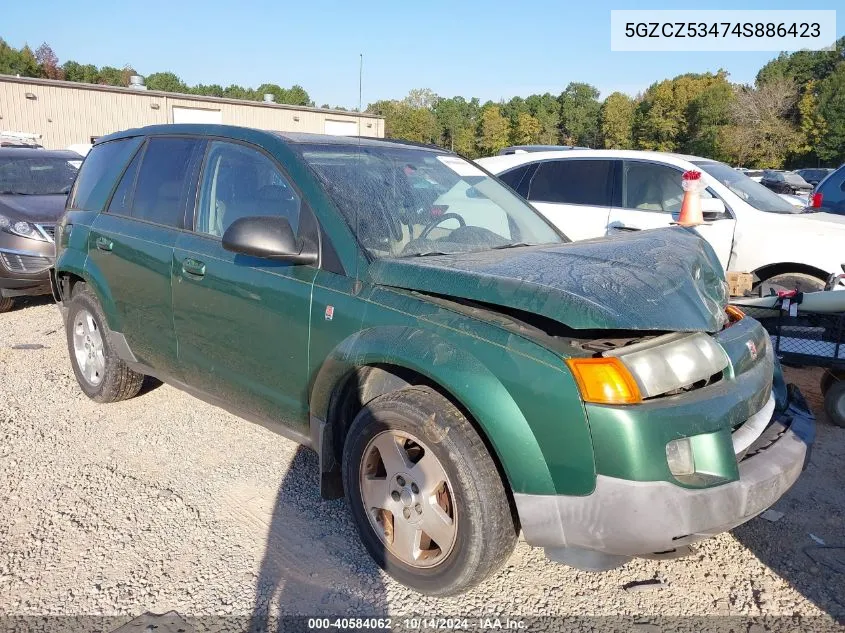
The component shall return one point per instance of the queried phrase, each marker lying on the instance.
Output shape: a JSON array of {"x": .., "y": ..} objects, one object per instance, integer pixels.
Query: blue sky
[{"x": 493, "y": 50}]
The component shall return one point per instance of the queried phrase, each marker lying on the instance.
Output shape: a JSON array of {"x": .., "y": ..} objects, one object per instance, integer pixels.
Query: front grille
[
  {"x": 24, "y": 263},
  {"x": 49, "y": 230}
]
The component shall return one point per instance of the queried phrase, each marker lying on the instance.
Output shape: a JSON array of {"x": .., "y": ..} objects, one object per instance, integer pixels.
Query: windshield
[
  {"x": 749, "y": 191},
  {"x": 37, "y": 176},
  {"x": 415, "y": 202},
  {"x": 795, "y": 179}
]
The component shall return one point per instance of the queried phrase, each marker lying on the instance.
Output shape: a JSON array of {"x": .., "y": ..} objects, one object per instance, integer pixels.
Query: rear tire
[
  {"x": 101, "y": 374},
  {"x": 6, "y": 304},
  {"x": 414, "y": 468},
  {"x": 834, "y": 403}
]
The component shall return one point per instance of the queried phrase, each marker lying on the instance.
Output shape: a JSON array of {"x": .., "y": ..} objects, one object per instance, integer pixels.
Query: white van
[{"x": 596, "y": 192}]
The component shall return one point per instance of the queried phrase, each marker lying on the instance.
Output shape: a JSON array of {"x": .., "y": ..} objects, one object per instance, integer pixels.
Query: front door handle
[
  {"x": 193, "y": 267},
  {"x": 104, "y": 244},
  {"x": 624, "y": 227}
]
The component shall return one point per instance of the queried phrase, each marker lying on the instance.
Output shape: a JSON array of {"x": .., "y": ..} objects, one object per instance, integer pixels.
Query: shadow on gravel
[
  {"x": 22, "y": 303},
  {"x": 314, "y": 563},
  {"x": 806, "y": 546}
]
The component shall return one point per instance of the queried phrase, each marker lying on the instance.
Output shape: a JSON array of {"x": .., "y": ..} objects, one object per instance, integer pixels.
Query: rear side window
[
  {"x": 573, "y": 182},
  {"x": 832, "y": 191},
  {"x": 121, "y": 201},
  {"x": 166, "y": 179},
  {"x": 101, "y": 168},
  {"x": 516, "y": 178}
]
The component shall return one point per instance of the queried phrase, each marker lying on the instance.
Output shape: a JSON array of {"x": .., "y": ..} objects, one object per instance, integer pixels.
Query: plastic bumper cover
[{"x": 624, "y": 518}]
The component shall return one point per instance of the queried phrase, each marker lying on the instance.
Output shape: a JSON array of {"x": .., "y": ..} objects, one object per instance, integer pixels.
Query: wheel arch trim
[{"x": 463, "y": 379}]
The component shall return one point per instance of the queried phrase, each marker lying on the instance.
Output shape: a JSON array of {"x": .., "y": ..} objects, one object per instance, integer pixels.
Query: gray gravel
[{"x": 163, "y": 502}]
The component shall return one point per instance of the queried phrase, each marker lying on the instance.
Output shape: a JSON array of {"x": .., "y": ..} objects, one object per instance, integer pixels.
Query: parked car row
[
  {"x": 34, "y": 184},
  {"x": 588, "y": 194},
  {"x": 463, "y": 369}
]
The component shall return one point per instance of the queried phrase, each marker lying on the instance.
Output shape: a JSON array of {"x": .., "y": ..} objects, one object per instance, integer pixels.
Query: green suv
[{"x": 463, "y": 371}]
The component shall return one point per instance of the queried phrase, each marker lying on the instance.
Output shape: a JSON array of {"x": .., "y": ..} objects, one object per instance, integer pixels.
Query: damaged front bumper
[{"x": 622, "y": 519}]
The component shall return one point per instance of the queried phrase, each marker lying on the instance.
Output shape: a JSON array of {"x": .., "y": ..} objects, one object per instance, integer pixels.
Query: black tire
[
  {"x": 827, "y": 379},
  {"x": 485, "y": 534},
  {"x": 6, "y": 304},
  {"x": 834, "y": 403},
  {"x": 793, "y": 281},
  {"x": 118, "y": 382}
]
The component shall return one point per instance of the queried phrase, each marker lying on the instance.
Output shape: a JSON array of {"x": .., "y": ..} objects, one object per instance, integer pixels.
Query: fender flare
[{"x": 462, "y": 376}]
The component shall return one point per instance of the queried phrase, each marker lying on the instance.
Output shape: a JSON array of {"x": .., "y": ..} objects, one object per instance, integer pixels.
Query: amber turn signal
[
  {"x": 604, "y": 381},
  {"x": 734, "y": 314}
]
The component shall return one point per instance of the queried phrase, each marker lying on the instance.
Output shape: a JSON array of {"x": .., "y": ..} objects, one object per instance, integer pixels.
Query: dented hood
[{"x": 663, "y": 279}]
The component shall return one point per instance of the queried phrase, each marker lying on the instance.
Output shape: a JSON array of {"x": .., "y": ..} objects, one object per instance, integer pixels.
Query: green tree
[
  {"x": 493, "y": 130},
  {"x": 708, "y": 113},
  {"x": 617, "y": 121},
  {"x": 166, "y": 82},
  {"x": 802, "y": 66},
  {"x": 297, "y": 95},
  {"x": 579, "y": 114},
  {"x": 234, "y": 91},
  {"x": 812, "y": 124},
  {"x": 661, "y": 118},
  {"x": 526, "y": 131},
  {"x": 831, "y": 108},
  {"x": 18, "y": 62},
  {"x": 404, "y": 121},
  {"x": 546, "y": 109},
  {"x": 456, "y": 120},
  {"x": 85, "y": 73},
  {"x": 111, "y": 76},
  {"x": 212, "y": 90}
]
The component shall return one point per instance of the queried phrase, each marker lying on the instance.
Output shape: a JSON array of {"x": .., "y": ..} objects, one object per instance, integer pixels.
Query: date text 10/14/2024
[{"x": 418, "y": 624}]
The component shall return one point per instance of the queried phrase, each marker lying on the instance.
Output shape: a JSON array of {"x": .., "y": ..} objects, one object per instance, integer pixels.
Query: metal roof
[{"x": 178, "y": 95}]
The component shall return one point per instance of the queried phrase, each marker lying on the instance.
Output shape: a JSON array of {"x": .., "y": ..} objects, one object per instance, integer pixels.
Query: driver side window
[{"x": 238, "y": 182}]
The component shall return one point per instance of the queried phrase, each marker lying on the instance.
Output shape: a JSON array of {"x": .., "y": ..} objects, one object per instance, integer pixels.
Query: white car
[{"x": 592, "y": 193}]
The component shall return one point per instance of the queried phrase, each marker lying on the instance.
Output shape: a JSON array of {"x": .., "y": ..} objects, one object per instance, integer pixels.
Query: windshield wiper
[
  {"x": 426, "y": 254},
  {"x": 514, "y": 245},
  {"x": 15, "y": 193}
]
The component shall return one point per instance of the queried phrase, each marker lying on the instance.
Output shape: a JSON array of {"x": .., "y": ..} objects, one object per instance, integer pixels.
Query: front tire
[
  {"x": 834, "y": 403},
  {"x": 792, "y": 281},
  {"x": 101, "y": 374},
  {"x": 425, "y": 494},
  {"x": 6, "y": 304}
]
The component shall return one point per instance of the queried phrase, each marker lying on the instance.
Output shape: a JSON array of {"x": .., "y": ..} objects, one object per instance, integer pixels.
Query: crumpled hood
[
  {"x": 662, "y": 279},
  {"x": 33, "y": 208}
]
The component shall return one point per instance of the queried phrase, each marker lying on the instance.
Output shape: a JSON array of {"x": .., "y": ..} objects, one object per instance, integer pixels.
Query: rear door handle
[
  {"x": 193, "y": 267},
  {"x": 624, "y": 227},
  {"x": 104, "y": 244}
]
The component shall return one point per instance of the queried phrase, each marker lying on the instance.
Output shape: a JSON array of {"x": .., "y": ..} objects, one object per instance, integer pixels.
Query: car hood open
[{"x": 666, "y": 279}]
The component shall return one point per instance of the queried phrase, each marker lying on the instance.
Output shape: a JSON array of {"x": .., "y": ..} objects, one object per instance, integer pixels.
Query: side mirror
[
  {"x": 268, "y": 237},
  {"x": 712, "y": 208}
]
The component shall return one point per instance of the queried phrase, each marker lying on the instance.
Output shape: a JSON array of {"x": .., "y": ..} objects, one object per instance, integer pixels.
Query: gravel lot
[{"x": 163, "y": 502}]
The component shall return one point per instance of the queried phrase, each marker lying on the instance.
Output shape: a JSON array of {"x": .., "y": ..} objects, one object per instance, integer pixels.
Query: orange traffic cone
[{"x": 691, "y": 206}]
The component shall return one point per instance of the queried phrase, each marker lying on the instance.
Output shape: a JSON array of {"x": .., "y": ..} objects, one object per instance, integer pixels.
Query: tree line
[
  {"x": 44, "y": 63},
  {"x": 793, "y": 114}
]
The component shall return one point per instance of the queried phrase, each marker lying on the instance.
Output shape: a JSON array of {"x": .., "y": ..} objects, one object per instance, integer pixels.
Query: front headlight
[{"x": 21, "y": 228}]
